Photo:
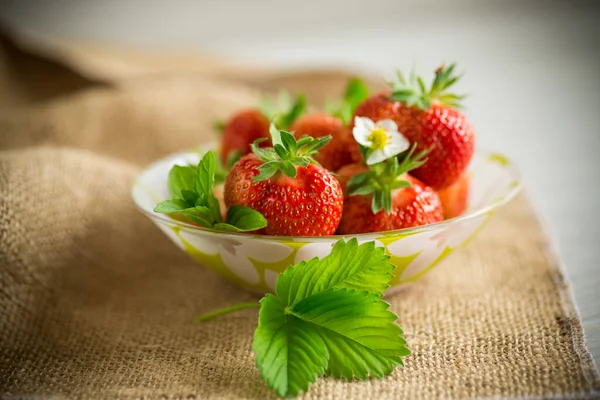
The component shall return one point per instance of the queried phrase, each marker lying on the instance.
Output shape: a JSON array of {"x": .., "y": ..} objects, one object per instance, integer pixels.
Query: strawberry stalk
[
  {"x": 286, "y": 154},
  {"x": 385, "y": 177},
  {"x": 415, "y": 93}
]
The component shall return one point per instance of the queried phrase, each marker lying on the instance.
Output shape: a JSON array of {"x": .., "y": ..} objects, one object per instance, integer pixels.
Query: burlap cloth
[{"x": 95, "y": 302}]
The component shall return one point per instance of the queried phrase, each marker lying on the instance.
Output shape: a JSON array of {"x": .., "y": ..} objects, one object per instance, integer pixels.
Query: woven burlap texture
[{"x": 95, "y": 302}]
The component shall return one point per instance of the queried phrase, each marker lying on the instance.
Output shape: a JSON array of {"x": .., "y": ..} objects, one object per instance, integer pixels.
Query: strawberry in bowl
[{"x": 413, "y": 185}]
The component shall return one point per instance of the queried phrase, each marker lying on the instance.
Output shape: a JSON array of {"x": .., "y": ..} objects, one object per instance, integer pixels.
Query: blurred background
[{"x": 531, "y": 72}]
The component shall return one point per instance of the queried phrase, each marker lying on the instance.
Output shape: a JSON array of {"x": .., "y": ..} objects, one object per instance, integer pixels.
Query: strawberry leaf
[
  {"x": 205, "y": 176},
  {"x": 283, "y": 112},
  {"x": 328, "y": 316},
  {"x": 349, "y": 266},
  {"x": 190, "y": 197},
  {"x": 245, "y": 218},
  {"x": 356, "y": 92},
  {"x": 170, "y": 206},
  {"x": 358, "y": 330},
  {"x": 289, "y": 352},
  {"x": 181, "y": 178},
  {"x": 197, "y": 202}
]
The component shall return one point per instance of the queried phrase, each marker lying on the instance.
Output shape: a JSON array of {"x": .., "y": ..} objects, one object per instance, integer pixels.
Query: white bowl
[{"x": 254, "y": 261}]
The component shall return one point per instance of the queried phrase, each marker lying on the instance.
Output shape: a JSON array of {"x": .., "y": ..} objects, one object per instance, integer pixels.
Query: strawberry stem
[
  {"x": 383, "y": 178},
  {"x": 286, "y": 154},
  {"x": 420, "y": 97}
]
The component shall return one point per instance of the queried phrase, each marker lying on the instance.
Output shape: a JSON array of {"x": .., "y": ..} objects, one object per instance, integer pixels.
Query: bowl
[{"x": 254, "y": 261}]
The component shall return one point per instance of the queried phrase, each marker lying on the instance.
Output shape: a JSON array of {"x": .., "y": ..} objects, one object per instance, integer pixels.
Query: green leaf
[
  {"x": 364, "y": 189},
  {"x": 387, "y": 200},
  {"x": 190, "y": 197},
  {"x": 328, "y": 316},
  {"x": 358, "y": 330},
  {"x": 221, "y": 226},
  {"x": 287, "y": 119},
  {"x": 267, "y": 107},
  {"x": 289, "y": 141},
  {"x": 362, "y": 184},
  {"x": 205, "y": 176},
  {"x": 275, "y": 135},
  {"x": 170, "y": 206},
  {"x": 266, "y": 171},
  {"x": 401, "y": 184},
  {"x": 288, "y": 168},
  {"x": 201, "y": 215},
  {"x": 377, "y": 202},
  {"x": 289, "y": 352},
  {"x": 356, "y": 92},
  {"x": 281, "y": 151},
  {"x": 181, "y": 178},
  {"x": 314, "y": 145},
  {"x": 349, "y": 266},
  {"x": 245, "y": 218}
]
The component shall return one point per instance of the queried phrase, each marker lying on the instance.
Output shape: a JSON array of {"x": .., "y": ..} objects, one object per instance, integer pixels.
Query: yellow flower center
[{"x": 379, "y": 138}]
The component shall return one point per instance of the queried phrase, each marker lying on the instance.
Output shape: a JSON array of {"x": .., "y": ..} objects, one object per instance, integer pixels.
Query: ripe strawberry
[
  {"x": 387, "y": 198},
  {"x": 432, "y": 121},
  {"x": 455, "y": 197},
  {"x": 246, "y": 126},
  {"x": 297, "y": 197},
  {"x": 337, "y": 152}
]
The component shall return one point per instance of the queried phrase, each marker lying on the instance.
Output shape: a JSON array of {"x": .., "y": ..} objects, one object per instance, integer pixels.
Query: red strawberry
[
  {"x": 384, "y": 199},
  {"x": 337, "y": 152},
  {"x": 432, "y": 121},
  {"x": 455, "y": 197},
  {"x": 343, "y": 148},
  {"x": 297, "y": 197},
  {"x": 241, "y": 131},
  {"x": 247, "y": 126}
]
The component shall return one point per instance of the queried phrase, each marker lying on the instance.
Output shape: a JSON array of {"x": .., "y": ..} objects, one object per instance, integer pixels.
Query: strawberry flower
[{"x": 381, "y": 139}]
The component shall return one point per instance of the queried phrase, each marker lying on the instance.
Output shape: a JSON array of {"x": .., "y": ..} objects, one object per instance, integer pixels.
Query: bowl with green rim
[{"x": 254, "y": 261}]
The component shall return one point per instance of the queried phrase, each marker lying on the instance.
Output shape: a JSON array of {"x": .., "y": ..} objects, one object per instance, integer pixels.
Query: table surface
[{"x": 532, "y": 69}]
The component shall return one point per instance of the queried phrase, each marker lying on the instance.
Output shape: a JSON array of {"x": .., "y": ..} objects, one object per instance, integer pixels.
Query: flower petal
[
  {"x": 388, "y": 125},
  {"x": 362, "y": 130},
  {"x": 398, "y": 140},
  {"x": 376, "y": 156},
  {"x": 393, "y": 150}
]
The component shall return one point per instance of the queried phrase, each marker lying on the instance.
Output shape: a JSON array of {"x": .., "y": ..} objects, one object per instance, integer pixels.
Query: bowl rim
[{"x": 507, "y": 164}]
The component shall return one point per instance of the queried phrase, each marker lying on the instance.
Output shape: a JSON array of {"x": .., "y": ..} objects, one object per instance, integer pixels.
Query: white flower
[{"x": 381, "y": 137}]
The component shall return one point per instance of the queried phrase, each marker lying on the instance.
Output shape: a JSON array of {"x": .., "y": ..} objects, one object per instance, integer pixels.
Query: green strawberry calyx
[
  {"x": 286, "y": 154},
  {"x": 413, "y": 91},
  {"x": 283, "y": 112},
  {"x": 383, "y": 178}
]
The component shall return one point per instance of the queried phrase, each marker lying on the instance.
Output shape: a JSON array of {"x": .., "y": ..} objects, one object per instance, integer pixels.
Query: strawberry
[
  {"x": 246, "y": 126},
  {"x": 387, "y": 198},
  {"x": 296, "y": 196},
  {"x": 339, "y": 151},
  {"x": 431, "y": 119},
  {"x": 455, "y": 197}
]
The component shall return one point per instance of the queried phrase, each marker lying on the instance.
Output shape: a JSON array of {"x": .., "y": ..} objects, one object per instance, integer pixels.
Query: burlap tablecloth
[{"x": 96, "y": 303}]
